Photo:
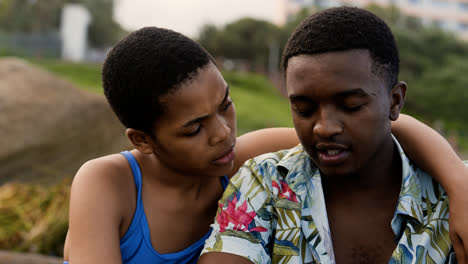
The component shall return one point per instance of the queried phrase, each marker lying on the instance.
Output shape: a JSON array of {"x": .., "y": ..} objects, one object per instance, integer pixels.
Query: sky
[{"x": 187, "y": 16}]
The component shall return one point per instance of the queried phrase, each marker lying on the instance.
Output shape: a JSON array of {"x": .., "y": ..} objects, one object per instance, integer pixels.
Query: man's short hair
[
  {"x": 144, "y": 66},
  {"x": 347, "y": 28}
]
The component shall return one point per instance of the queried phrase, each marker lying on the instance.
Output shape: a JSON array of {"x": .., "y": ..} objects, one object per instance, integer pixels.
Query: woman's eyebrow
[{"x": 201, "y": 118}]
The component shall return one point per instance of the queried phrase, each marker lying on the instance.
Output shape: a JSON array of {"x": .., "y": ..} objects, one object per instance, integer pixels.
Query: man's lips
[
  {"x": 331, "y": 153},
  {"x": 226, "y": 157}
]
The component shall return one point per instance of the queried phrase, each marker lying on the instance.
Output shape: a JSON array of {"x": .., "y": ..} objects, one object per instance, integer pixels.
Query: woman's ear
[
  {"x": 140, "y": 140},
  {"x": 397, "y": 99}
]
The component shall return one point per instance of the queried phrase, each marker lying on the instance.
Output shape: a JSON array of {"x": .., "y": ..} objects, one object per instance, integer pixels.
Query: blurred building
[
  {"x": 74, "y": 31},
  {"x": 451, "y": 15}
]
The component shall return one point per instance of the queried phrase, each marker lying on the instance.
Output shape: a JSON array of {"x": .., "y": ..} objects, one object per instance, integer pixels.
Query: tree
[
  {"x": 39, "y": 16},
  {"x": 103, "y": 30},
  {"x": 246, "y": 39}
]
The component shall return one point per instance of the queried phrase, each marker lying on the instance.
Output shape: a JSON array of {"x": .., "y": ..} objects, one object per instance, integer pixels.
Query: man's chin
[{"x": 335, "y": 172}]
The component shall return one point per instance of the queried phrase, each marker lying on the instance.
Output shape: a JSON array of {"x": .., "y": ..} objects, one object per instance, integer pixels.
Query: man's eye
[
  {"x": 303, "y": 112},
  {"x": 352, "y": 108}
]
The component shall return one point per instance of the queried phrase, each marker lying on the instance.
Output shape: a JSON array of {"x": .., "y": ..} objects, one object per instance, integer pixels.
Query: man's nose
[{"x": 327, "y": 124}]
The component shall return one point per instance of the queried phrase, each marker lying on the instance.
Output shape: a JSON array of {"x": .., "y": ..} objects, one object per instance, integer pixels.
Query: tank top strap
[
  {"x": 139, "y": 212},
  {"x": 135, "y": 169},
  {"x": 224, "y": 182}
]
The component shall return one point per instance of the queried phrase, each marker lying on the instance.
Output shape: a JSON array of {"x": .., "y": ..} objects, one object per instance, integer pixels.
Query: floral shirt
[{"x": 274, "y": 212}]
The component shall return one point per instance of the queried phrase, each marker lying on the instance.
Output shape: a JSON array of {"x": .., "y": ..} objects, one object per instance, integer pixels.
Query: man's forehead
[
  {"x": 329, "y": 58},
  {"x": 347, "y": 70}
]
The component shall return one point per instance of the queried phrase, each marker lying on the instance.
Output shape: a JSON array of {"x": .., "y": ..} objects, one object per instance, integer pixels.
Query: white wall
[{"x": 74, "y": 31}]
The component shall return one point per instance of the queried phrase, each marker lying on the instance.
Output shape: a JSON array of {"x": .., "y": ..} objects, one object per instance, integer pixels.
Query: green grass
[
  {"x": 258, "y": 105},
  {"x": 85, "y": 75}
]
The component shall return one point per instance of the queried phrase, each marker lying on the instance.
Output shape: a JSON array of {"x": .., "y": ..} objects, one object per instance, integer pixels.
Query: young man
[{"x": 348, "y": 194}]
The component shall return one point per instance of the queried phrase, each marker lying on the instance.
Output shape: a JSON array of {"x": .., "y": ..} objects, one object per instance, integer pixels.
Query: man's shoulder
[
  {"x": 429, "y": 186},
  {"x": 286, "y": 157},
  {"x": 270, "y": 166},
  {"x": 269, "y": 170}
]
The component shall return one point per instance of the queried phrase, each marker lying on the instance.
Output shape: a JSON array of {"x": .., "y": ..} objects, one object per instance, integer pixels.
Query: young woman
[{"x": 155, "y": 203}]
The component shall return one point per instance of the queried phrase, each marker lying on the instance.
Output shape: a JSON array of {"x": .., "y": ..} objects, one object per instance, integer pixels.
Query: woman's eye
[
  {"x": 194, "y": 133},
  {"x": 227, "y": 105}
]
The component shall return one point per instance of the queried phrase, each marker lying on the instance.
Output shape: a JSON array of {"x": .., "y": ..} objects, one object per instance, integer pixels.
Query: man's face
[{"x": 341, "y": 110}]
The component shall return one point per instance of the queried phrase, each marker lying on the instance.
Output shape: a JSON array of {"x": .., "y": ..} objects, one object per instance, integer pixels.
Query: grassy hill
[{"x": 258, "y": 105}]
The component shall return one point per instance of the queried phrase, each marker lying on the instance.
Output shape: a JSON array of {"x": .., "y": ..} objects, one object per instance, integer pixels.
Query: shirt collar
[
  {"x": 297, "y": 169},
  {"x": 410, "y": 202}
]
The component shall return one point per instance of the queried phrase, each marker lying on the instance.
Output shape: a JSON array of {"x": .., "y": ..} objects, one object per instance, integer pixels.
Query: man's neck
[{"x": 360, "y": 208}]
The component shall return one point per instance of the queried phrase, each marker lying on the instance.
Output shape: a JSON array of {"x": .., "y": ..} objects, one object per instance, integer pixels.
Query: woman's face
[{"x": 197, "y": 133}]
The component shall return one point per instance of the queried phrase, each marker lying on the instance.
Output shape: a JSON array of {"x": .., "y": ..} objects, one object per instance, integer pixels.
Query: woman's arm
[
  {"x": 262, "y": 141},
  {"x": 94, "y": 218},
  {"x": 431, "y": 152}
]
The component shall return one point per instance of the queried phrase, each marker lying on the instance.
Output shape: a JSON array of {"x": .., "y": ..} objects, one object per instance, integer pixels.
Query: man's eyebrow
[
  {"x": 201, "y": 118},
  {"x": 353, "y": 92},
  {"x": 299, "y": 98},
  {"x": 341, "y": 95}
]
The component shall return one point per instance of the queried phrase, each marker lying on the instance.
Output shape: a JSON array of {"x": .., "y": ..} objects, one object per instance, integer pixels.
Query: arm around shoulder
[
  {"x": 263, "y": 141},
  {"x": 95, "y": 216},
  {"x": 433, "y": 153}
]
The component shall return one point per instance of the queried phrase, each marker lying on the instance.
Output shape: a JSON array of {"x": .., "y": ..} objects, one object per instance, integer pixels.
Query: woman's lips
[{"x": 225, "y": 158}]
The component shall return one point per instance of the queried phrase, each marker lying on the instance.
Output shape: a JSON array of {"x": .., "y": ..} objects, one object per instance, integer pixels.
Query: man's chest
[
  {"x": 302, "y": 237},
  {"x": 362, "y": 234},
  {"x": 426, "y": 245}
]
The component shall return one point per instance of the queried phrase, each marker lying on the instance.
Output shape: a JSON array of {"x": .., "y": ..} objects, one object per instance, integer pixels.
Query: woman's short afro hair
[
  {"x": 346, "y": 28},
  {"x": 144, "y": 66}
]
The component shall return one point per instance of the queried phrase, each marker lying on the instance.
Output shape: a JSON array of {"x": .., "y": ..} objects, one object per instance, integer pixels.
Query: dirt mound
[{"x": 48, "y": 127}]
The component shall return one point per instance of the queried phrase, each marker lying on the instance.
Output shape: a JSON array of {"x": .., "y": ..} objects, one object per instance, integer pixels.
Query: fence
[{"x": 31, "y": 44}]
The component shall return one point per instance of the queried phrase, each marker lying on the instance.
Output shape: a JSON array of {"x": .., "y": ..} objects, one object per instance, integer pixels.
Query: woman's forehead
[{"x": 201, "y": 96}]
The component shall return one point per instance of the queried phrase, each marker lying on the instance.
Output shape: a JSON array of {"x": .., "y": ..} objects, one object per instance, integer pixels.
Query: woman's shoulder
[
  {"x": 106, "y": 169},
  {"x": 107, "y": 178}
]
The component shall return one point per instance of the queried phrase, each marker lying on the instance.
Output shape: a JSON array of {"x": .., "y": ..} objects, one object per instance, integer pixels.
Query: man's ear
[
  {"x": 140, "y": 140},
  {"x": 397, "y": 99}
]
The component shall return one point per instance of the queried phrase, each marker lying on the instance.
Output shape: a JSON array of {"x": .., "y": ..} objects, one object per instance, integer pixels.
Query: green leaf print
[
  {"x": 286, "y": 204},
  {"x": 245, "y": 235}
]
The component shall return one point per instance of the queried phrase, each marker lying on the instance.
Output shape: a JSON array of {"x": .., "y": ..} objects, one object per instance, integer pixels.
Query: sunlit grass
[{"x": 85, "y": 75}]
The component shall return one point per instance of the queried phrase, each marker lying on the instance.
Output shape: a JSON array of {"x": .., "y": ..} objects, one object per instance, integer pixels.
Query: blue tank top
[{"x": 135, "y": 245}]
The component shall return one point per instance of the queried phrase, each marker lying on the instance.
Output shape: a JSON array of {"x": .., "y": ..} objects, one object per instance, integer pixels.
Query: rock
[
  {"x": 49, "y": 127},
  {"x": 7, "y": 257}
]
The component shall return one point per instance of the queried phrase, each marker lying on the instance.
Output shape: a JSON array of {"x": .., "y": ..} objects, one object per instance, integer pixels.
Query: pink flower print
[
  {"x": 239, "y": 217},
  {"x": 284, "y": 191}
]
